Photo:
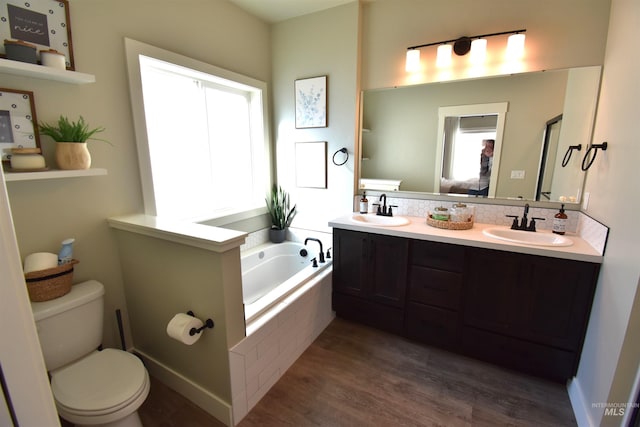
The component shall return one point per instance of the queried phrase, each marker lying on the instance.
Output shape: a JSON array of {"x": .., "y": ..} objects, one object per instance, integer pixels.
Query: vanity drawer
[
  {"x": 441, "y": 256},
  {"x": 435, "y": 287},
  {"x": 524, "y": 356},
  {"x": 432, "y": 325}
]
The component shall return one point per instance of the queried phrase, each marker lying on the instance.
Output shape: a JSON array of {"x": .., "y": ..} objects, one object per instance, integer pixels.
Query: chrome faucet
[
  {"x": 321, "y": 254},
  {"x": 523, "y": 222}
]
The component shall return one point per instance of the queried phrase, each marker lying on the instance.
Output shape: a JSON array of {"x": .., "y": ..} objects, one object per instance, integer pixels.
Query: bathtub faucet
[{"x": 321, "y": 254}]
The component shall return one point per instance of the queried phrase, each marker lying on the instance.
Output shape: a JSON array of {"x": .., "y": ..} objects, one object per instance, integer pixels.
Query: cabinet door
[
  {"x": 492, "y": 282},
  {"x": 555, "y": 303},
  {"x": 387, "y": 269},
  {"x": 349, "y": 250}
]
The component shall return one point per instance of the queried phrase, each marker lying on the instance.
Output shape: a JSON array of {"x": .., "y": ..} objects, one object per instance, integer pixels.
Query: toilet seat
[{"x": 106, "y": 384}]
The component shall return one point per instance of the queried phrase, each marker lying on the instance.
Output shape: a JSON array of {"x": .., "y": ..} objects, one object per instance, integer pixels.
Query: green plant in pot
[
  {"x": 71, "y": 141},
  {"x": 278, "y": 204}
]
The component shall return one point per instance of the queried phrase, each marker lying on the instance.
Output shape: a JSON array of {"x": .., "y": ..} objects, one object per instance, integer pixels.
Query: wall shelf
[
  {"x": 52, "y": 174},
  {"x": 25, "y": 69}
]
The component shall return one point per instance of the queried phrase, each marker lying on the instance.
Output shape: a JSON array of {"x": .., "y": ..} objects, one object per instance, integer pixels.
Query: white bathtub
[{"x": 271, "y": 272}]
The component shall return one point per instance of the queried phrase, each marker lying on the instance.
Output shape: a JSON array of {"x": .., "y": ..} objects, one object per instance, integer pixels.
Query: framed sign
[
  {"x": 18, "y": 122},
  {"x": 44, "y": 23},
  {"x": 311, "y": 102},
  {"x": 311, "y": 164}
]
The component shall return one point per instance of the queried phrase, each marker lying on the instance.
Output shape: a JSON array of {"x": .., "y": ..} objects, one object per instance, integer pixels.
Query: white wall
[
  {"x": 324, "y": 43},
  {"x": 612, "y": 350}
]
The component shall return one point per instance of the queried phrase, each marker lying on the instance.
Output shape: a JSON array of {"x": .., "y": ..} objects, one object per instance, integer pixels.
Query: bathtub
[{"x": 271, "y": 272}]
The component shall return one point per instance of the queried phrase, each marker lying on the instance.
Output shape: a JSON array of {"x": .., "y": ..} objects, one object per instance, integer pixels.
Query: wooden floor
[{"x": 356, "y": 376}]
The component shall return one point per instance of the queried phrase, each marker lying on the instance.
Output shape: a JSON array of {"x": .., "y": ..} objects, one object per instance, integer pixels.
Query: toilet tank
[{"x": 70, "y": 327}]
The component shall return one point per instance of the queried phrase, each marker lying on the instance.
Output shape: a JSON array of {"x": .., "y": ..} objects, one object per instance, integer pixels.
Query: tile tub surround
[
  {"x": 580, "y": 224},
  {"x": 274, "y": 342}
]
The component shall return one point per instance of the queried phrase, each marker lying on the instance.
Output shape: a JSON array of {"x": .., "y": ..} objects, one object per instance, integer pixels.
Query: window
[{"x": 201, "y": 134}]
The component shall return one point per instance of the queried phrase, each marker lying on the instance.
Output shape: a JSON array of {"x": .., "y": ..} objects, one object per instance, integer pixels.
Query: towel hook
[
  {"x": 342, "y": 150},
  {"x": 207, "y": 324},
  {"x": 567, "y": 155},
  {"x": 593, "y": 147}
]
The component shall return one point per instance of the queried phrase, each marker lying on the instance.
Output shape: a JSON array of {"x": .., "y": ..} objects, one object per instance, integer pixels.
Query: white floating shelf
[
  {"x": 52, "y": 174},
  {"x": 25, "y": 69}
]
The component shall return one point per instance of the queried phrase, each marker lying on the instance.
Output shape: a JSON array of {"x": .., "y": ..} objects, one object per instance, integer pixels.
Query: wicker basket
[
  {"x": 45, "y": 285},
  {"x": 450, "y": 225}
]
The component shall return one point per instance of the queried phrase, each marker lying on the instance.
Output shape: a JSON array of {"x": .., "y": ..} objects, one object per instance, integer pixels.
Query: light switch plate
[{"x": 517, "y": 174}]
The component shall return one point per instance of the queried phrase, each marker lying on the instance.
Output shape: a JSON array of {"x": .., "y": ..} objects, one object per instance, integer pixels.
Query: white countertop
[
  {"x": 420, "y": 230},
  {"x": 187, "y": 233}
]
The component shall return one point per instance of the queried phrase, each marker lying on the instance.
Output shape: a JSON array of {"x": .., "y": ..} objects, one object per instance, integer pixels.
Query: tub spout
[{"x": 321, "y": 254}]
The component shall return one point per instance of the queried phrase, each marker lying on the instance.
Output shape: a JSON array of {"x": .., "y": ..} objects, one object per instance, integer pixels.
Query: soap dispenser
[
  {"x": 364, "y": 203},
  {"x": 560, "y": 221}
]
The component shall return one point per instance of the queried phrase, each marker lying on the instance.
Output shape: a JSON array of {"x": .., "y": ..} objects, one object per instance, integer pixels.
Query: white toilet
[{"x": 90, "y": 387}]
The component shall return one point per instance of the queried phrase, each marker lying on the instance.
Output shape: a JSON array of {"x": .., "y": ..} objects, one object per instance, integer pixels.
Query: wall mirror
[{"x": 403, "y": 136}]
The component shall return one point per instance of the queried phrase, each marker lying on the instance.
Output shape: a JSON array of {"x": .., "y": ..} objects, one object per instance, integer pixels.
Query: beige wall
[
  {"x": 176, "y": 279},
  {"x": 324, "y": 43},
  {"x": 611, "y": 354},
  {"x": 46, "y": 212},
  {"x": 559, "y": 35}
]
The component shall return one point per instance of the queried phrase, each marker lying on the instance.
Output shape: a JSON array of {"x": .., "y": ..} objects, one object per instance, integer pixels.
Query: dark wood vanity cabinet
[
  {"x": 533, "y": 309},
  {"x": 434, "y": 294},
  {"x": 521, "y": 311},
  {"x": 369, "y": 276}
]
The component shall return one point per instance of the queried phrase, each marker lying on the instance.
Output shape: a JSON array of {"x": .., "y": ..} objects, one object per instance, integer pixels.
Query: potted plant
[
  {"x": 281, "y": 215},
  {"x": 71, "y": 141}
]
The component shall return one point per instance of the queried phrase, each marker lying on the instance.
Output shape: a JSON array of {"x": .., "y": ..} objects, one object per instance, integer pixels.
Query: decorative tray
[{"x": 450, "y": 225}]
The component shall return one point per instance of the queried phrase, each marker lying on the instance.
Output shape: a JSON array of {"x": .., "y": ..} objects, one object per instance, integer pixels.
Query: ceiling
[{"x": 273, "y": 11}]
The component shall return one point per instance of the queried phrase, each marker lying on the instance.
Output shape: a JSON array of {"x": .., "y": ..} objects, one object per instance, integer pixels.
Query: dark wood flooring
[{"x": 357, "y": 376}]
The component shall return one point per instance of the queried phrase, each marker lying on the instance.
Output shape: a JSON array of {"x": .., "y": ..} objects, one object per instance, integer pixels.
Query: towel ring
[
  {"x": 342, "y": 150},
  {"x": 593, "y": 147},
  {"x": 567, "y": 155}
]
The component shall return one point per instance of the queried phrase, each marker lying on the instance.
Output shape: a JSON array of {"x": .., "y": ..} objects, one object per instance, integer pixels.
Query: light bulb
[
  {"x": 478, "y": 51},
  {"x": 413, "y": 61},
  {"x": 444, "y": 55},
  {"x": 515, "y": 46}
]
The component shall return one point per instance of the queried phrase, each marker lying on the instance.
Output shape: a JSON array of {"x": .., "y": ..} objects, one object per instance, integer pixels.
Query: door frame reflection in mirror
[
  {"x": 498, "y": 109},
  {"x": 582, "y": 96}
]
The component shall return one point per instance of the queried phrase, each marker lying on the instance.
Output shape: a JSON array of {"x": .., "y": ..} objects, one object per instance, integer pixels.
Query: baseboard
[
  {"x": 206, "y": 400},
  {"x": 579, "y": 405}
]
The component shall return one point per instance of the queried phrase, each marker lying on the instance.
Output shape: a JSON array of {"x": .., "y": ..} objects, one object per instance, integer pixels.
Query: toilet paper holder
[{"x": 207, "y": 324}]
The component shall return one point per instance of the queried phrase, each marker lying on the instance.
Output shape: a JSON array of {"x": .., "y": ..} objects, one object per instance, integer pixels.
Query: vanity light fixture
[{"x": 461, "y": 46}]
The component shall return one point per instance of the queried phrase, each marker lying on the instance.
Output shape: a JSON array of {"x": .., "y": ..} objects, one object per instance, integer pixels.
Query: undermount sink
[
  {"x": 382, "y": 221},
  {"x": 528, "y": 237}
]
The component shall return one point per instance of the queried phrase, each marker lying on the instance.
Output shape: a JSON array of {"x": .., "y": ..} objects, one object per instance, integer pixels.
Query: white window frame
[{"x": 134, "y": 50}]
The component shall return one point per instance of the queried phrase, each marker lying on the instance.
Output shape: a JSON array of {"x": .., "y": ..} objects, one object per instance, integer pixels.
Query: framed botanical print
[{"x": 311, "y": 102}]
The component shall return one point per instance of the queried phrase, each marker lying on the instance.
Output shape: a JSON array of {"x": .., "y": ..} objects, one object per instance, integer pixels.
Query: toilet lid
[{"x": 104, "y": 380}]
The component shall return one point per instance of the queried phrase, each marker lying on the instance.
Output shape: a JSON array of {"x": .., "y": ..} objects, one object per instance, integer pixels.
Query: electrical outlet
[{"x": 517, "y": 174}]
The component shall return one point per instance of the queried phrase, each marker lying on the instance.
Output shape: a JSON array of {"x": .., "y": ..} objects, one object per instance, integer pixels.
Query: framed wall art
[
  {"x": 311, "y": 164},
  {"x": 311, "y": 102},
  {"x": 44, "y": 23},
  {"x": 18, "y": 122}
]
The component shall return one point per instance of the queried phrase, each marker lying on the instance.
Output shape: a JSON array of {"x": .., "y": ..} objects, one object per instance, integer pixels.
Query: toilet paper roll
[
  {"x": 179, "y": 327},
  {"x": 40, "y": 261}
]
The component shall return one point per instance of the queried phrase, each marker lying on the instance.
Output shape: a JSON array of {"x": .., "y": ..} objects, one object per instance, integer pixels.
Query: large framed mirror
[{"x": 403, "y": 139}]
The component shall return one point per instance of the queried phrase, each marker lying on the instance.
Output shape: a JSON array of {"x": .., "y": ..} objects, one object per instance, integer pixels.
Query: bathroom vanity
[{"x": 520, "y": 306}]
